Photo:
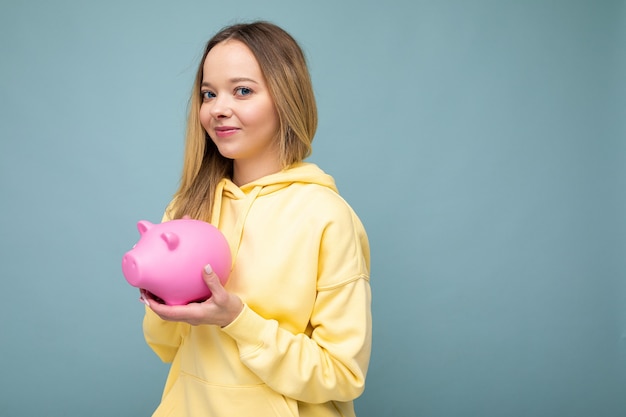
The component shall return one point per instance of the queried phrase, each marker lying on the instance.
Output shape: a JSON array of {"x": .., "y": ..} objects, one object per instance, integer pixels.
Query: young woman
[{"x": 290, "y": 332}]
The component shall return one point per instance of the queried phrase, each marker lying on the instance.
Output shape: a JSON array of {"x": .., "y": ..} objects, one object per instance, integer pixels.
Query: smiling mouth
[{"x": 225, "y": 131}]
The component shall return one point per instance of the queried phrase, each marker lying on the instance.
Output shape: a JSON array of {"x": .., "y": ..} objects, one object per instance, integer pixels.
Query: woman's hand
[{"x": 221, "y": 309}]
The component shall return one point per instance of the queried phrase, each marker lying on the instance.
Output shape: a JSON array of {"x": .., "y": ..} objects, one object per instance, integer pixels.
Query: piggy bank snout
[{"x": 130, "y": 269}]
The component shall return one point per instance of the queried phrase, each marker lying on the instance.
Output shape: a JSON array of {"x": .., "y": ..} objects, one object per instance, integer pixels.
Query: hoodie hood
[{"x": 303, "y": 173}]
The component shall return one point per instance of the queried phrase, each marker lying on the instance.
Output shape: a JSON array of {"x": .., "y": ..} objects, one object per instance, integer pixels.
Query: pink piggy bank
[{"x": 169, "y": 258}]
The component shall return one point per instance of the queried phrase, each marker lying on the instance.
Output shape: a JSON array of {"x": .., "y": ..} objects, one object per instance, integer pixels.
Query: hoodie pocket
[{"x": 193, "y": 397}]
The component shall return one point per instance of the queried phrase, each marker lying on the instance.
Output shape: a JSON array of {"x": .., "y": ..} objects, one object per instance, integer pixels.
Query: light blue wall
[{"x": 482, "y": 143}]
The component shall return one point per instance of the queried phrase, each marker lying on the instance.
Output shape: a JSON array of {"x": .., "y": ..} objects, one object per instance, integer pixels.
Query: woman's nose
[{"x": 221, "y": 108}]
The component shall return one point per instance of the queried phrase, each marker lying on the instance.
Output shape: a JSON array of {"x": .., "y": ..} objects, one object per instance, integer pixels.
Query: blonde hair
[{"x": 284, "y": 67}]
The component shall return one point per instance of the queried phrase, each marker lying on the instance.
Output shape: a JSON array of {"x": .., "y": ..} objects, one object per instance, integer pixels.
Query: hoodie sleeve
[
  {"x": 164, "y": 337},
  {"x": 331, "y": 363}
]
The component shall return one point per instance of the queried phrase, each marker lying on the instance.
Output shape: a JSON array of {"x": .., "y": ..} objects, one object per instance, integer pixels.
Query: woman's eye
[
  {"x": 206, "y": 95},
  {"x": 243, "y": 91}
]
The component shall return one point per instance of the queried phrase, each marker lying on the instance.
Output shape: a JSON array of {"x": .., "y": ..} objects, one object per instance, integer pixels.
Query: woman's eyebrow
[
  {"x": 232, "y": 81},
  {"x": 242, "y": 79}
]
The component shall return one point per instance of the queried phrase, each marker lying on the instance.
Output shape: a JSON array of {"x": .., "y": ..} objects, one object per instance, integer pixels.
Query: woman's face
[{"x": 237, "y": 110}]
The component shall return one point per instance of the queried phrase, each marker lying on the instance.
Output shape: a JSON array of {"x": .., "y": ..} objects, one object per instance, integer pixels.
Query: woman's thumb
[{"x": 210, "y": 278}]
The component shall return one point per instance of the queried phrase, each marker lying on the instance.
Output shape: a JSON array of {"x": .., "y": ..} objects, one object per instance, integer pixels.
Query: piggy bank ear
[
  {"x": 171, "y": 239},
  {"x": 143, "y": 226}
]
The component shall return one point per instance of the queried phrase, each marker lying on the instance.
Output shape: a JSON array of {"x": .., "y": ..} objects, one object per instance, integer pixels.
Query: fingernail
[{"x": 208, "y": 269}]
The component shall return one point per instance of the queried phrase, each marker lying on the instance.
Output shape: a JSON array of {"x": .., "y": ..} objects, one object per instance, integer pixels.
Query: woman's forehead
[{"x": 231, "y": 55}]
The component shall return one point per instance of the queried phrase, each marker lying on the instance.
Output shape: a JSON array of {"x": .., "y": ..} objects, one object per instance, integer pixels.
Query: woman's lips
[{"x": 225, "y": 131}]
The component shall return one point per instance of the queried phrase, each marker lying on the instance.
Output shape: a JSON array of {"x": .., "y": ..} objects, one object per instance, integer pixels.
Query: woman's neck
[{"x": 245, "y": 172}]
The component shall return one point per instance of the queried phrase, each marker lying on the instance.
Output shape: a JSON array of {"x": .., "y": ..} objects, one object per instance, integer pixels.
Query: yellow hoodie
[{"x": 301, "y": 345}]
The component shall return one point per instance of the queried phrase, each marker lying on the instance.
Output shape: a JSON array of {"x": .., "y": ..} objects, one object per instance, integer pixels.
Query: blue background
[{"x": 482, "y": 143}]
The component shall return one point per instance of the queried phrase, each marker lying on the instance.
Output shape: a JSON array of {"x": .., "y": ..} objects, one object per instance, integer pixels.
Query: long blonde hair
[{"x": 284, "y": 67}]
